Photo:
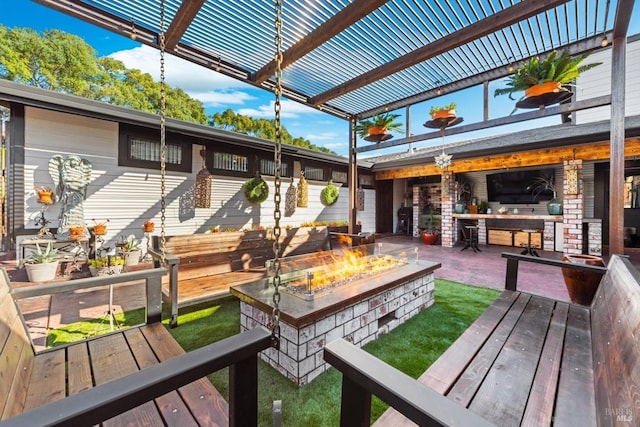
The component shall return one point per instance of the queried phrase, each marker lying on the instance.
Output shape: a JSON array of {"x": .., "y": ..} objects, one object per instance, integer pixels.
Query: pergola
[{"x": 360, "y": 58}]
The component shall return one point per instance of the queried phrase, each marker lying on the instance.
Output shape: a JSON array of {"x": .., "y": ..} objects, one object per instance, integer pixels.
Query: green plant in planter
[
  {"x": 483, "y": 206},
  {"x": 545, "y": 183},
  {"x": 256, "y": 190},
  {"x": 557, "y": 67},
  {"x": 386, "y": 121},
  {"x": 43, "y": 256},
  {"x": 329, "y": 194},
  {"x": 104, "y": 261},
  {"x": 451, "y": 106}
]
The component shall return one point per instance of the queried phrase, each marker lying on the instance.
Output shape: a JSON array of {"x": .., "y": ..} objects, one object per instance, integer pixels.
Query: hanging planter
[
  {"x": 446, "y": 112},
  {"x": 377, "y": 128},
  {"x": 256, "y": 190},
  {"x": 329, "y": 194},
  {"x": 100, "y": 228},
  {"x": 303, "y": 192},
  {"x": 545, "y": 82}
]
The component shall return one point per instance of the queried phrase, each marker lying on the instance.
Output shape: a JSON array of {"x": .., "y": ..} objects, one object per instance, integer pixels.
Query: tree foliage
[
  {"x": 260, "y": 128},
  {"x": 64, "y": 62}
]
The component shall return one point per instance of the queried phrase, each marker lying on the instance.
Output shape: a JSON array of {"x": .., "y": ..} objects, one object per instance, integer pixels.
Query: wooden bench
[
  {"x": 202, "y": 267},
  {"x": 118, "y": 374},
  {"x": 527, "y": 360}
]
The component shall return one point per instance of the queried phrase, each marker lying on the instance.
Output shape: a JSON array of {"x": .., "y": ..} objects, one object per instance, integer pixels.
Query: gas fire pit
[{"x": 322, "y": 299}]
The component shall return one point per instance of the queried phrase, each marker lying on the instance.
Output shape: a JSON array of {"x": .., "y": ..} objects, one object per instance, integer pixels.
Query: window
[
  {"x": 268, "y": 167},
  {"x": 366, "y": 181},
  {"x": 314, "y": 173},
  {"x": 141, "y": 148},
  {"x": 230, "y": 162},
  {"x": 339, "y": 176}
]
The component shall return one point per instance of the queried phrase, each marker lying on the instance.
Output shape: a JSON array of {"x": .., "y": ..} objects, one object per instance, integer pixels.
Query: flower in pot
[
  {"x": 380, "y": 124},
  {"x": 131, "y": 250},
  {"x": 544, "y": 184},
  {"x": 444, "y": 112},
  {"x": 149, "y": 226},
  {"x": 45, "y": 195},
  {"x": 42, "y": 264},
  {"x": 555, "y": 74},
  {"x": 105, "y": 265},
  {"x": 462, "y": 191},
  {"x": 100, "y": 228}
]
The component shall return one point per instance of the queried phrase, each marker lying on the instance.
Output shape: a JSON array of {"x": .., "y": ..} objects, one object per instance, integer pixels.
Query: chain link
[
  {"x": 275, "y": 315},
  {"x": 163, "y": 134}
]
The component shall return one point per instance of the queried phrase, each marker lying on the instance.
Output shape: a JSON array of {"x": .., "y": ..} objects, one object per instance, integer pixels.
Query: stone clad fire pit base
[{"x": 359, "y": 312}]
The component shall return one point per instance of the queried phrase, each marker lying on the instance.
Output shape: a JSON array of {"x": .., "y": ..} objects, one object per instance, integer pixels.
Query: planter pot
[
  {"x": 105, "y": 271},
  {"x": 429, "y": 238},
  {"x": 377, "y": 130},
  {"x": 76, "y": 232},
  {"x": 582, "y": 285},
  {"x": 443, "y": 114},
  {"x": 41, "y": 272},
  {"x": 45, "y": 197},
  {"x": 554, "y": 207},
  {"x": 148, "y": 226},
  {"x": 132, "y": 257},
  {"x": 541, "y": 89},
  {"x": 459, "y": 207},
  {"x": 99, "y": 229}
]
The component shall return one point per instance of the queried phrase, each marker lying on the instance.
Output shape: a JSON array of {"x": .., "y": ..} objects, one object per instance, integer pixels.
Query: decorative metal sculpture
[
  {"x": 71, "y": 177},
  {"x": 303, "y": 192},
  {"x": 290, "y": 199},
  {"x": 203, "y": 184}
]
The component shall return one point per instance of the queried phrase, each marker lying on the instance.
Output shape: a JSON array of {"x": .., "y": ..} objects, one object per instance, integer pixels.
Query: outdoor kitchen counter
[
  {"x": 299, "y": 312},
  {"x": 553, "y": 218}
]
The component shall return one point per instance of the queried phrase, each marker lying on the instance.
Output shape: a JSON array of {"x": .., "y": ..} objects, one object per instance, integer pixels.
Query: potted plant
[
  {"x": 462, "y": 191},
  {"x": 379, "y": 125},
  {"x": 546, "y": 184},
  {"x": 105, "y": 266},
  {"x": 556, "y": 73},
  {"x": 45, "y": 195},
  {"x": 444, "y": 112},
  {"x": 42, "y": 264},
  {"x": 149, "y": 226},
  {"x": 430, "y": 232},
  {"x": 483, "y": 206},
  {"x": 100, "y": 228},
  {"x": 131, "y": 250},
  {"x": 76, "y": 232}
]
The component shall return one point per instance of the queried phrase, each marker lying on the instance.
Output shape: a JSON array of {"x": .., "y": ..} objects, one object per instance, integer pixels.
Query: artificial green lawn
[{"x": 411, "y": 347}]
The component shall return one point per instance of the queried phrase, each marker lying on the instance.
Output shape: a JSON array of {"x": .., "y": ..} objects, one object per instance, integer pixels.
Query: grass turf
[{"x": 412, "y": 347}]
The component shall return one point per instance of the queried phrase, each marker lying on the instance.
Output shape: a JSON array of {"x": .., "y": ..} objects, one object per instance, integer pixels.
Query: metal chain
[
  {"x": 275, "y": 315},
  {"x": 163, "y": 134}
]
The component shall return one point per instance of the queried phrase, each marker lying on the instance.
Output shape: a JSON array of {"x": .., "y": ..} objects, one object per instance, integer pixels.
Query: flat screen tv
[{"x": 517, "y": 186}]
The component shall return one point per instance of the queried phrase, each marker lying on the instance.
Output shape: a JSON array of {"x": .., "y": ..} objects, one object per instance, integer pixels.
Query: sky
[{"x": 218, "y": 92}]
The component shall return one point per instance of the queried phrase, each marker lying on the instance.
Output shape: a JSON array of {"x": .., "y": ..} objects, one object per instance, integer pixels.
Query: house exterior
[{"x": 125, "y": 184}]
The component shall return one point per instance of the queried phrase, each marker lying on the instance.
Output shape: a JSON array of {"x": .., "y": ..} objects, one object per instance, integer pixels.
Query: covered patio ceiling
[{"x": 363, "y": 57}]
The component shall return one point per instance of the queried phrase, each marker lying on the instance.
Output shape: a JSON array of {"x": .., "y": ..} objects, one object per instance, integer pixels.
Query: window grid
[
  {"x": 339, "y": 176},
  {"x": 148, "y": 150},
  {"x": 230, "y": 162},
  {"x": 314, "y": 173},
  {"x": 268, "y": 167}
]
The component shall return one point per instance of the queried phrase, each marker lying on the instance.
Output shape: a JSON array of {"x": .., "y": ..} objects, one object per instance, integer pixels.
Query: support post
[
  {"x": 243, "y": 392},
  {"x": 355, "y": 409},
  {"x": 511, "y": 282},
  {"x": 616, "y": 178},
  {"x": 353, "y": 177}
]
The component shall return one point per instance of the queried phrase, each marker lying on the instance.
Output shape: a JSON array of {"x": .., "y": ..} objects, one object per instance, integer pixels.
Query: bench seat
[{"x": 30, "y": 380}]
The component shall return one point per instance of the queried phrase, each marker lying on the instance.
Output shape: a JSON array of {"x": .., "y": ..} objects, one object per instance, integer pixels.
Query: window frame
[{"x": 128, "y": 132}]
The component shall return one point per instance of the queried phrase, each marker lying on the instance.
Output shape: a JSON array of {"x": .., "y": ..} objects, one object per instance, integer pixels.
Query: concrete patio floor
[{"x": 484, "y": 269}]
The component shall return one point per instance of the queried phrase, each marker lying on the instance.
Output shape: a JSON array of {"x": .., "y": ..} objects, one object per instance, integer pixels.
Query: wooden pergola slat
[{"x": 180, "y": 23}]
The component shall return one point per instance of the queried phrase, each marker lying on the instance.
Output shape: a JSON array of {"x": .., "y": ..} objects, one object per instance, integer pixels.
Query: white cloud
[
  {"x": 213, "y": 89},
  {"x": 289, "y": 110},
  {"x": 325, "y": 136}
]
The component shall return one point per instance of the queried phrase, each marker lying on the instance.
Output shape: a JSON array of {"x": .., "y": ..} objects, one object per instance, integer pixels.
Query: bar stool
[
  {"x": 471, "y": 238},
  {"x": 529, "y": 250}
]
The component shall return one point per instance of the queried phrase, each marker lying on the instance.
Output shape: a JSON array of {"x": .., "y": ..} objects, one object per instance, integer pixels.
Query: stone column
[
  {"x": 448, "y": 227},
  {"x": 573, "y": 205},
  {"x": 416, "y": 210}
]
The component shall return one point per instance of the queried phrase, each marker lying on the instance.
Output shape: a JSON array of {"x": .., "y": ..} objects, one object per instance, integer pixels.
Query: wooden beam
[
  {"x": 618, "y": 147},
  {"x": 467, "y": 34},
  {"x": 181, "y": 21},
  {"x": 499, "y": 121},
  {"x": 622, "y": 19},
  {"x": 336, "y": 24},
  {"x": 550, "y": 156}
]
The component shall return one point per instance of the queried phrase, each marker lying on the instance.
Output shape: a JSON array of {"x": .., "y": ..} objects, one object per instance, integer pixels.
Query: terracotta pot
[
  {"x": 45, "y": 197},
  {"x": 582, "y": 285},
  {"x": 148, "y": 226},
  {"x": 443, "y": 114},
  {"x": 99, "y": 229},
  {"x": 76, "y": 232},
  {"x": 429, "y": 238},
  {"x": 377, "y": 130},
  {"x": 543, "y": 88}
]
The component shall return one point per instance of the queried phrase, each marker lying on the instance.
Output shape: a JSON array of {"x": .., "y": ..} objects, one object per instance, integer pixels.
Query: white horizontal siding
[
  {"x": 129, "y": 196},
  {"x": 597, "y": 82}
]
